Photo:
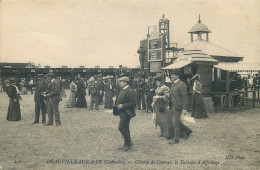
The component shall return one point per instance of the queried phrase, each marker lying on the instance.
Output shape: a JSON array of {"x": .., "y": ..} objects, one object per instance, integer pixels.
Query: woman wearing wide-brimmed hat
[
  {"x": 198, "y": 105},
  {"x": 161, "y": 107},
  {"x": 14, "y": 111}
]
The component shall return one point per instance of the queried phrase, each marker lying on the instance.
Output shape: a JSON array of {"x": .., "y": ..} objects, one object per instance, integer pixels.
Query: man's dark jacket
[
  {"x": 179, "y": 98},
  {"x": 127, "y": 97}
]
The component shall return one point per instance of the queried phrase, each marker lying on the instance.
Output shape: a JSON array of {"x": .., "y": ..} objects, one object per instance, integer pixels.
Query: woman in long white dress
[
  {"x": 23, "y": 88},
  {"x": 71, "y": 102}
]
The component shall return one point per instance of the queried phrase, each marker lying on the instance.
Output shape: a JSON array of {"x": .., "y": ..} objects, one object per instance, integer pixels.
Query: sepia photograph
[{"x": 136, "y": 84}]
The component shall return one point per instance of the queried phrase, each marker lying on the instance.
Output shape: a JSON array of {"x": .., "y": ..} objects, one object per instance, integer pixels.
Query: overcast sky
[{"x": 108, "y": 33}]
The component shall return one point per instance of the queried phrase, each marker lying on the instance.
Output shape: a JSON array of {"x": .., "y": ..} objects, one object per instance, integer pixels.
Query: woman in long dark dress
[
  {"x": 198, "y": 105},
  {"x": 160, "y": 104},
  {"x": 189, "y": 91},
  {"x": 109, "y": 93},
  {"x": 14, "y": 111},
  {"x": 81, "y": 93},
  {"x": 164, "y": 116}
]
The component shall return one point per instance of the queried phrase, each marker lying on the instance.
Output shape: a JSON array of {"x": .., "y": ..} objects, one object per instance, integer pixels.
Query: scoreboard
[{"x": 156, "y": 53}]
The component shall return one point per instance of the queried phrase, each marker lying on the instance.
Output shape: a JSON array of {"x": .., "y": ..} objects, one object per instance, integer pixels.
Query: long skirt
[
  {"x": 109, "y": 99},
  {"x": 14, "y": 111},
  {"x": 164, "y": 120},
  {"x": 198, "y": 106},
  {"x": 71, "y": 102},
  {"x": 81, "y": 99}
]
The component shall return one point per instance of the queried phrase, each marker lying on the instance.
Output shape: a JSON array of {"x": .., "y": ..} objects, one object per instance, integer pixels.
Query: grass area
[{"x": 88, "y": 139}]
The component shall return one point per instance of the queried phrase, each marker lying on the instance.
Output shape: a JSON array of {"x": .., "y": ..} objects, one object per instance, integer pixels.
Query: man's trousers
[{"x": 124, "y": 127}]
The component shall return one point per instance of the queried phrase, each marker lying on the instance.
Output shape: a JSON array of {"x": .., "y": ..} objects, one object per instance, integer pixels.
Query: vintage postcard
[{"x": 115, "y": 84}]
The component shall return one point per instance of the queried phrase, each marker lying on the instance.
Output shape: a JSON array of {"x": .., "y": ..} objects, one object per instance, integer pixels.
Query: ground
[{"x": 89, "y": 140}]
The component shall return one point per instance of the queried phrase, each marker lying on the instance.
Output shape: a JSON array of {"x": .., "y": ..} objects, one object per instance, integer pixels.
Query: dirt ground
[{"x": 89, "y": 140}]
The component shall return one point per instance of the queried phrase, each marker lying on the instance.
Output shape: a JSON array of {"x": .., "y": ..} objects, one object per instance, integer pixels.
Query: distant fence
[{"x": 234, "y": 99}]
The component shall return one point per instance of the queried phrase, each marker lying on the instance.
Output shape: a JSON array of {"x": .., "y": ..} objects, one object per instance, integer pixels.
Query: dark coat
[
  {"x": 127, "y": 97},
  {"x": 53, "y": 91},
  {"x": 40, "y": 87},
  {"x": 178, "y": 96},
  {"x": 14, "y": 112}
]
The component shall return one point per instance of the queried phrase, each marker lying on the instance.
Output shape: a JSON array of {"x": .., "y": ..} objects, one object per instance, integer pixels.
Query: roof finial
[{"x": 199, "y": 19}]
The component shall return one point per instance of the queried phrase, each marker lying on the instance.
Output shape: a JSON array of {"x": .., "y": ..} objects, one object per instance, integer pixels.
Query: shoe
[
  {"x": 57, "y": 125},
  {"x": 35, "y": 122},
  {"x": 121, "y": 147},
  {"x": 43, "y": 122},
  {"x": 161, "y": 135},
  {"x": 126, "y": 148},
  {"x": 188, "y": 134},
  {"x": 173, "y": 142},
  {"x": 48, "y": 124}
]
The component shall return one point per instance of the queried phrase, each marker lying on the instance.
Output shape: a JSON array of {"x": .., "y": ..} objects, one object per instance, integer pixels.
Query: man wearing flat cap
[
  {"x": 53, "y": 96},
  {"x": 178, "y": 104},
  {"x": 126, "y": 104}
]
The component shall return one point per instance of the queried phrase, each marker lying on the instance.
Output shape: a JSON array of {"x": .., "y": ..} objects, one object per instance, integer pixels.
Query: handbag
[{"x": 116, "y": 111}]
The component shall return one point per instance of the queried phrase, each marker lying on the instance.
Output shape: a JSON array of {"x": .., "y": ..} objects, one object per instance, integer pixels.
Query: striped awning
[{"x": 239, "y": 67}]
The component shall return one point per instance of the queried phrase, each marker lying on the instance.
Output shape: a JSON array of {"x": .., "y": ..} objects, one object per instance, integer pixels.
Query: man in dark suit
[
  {"x": 126, "y": 104},
  {"x": 150, "y": 88},
  {"x": 53, "y": 96},
  {"x": 101, "y": 85},
  {"x": 41, "y": 87},
  {"x": 95, "y": 89},
  {"x": 178, "y": 104}
]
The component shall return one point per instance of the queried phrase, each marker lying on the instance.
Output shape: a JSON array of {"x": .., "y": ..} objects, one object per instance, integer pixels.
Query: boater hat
[{"x": 109, "y": 77}]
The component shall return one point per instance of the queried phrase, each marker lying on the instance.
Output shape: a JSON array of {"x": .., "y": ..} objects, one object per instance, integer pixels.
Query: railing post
[
  {"x": 254, "y": 96},
  {"x": 228, "y": 100},
  {"x": 258, "y": 93}
]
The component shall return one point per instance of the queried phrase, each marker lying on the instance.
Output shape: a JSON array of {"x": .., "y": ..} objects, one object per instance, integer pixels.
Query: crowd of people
[{"x": 148, "y": 94}]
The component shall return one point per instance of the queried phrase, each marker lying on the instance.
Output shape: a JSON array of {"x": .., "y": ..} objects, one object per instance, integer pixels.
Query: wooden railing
[{"x": 227, "y": 98}]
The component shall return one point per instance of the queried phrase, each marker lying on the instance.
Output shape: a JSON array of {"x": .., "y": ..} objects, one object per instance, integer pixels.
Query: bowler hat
[
  {"x": 125, "y": 79},
  {"x": 51, "y": 75}
]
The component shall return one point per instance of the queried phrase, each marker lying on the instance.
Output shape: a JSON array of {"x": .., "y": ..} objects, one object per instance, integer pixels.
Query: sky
[{"x": 108, "y": 32}]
